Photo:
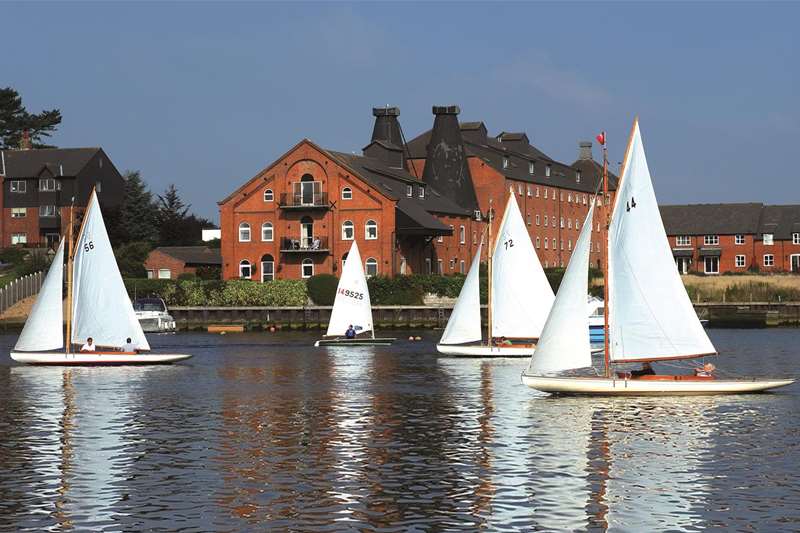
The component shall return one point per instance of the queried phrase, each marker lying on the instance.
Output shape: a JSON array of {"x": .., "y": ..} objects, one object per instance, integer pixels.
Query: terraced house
[{"x": 416, "y": 207}]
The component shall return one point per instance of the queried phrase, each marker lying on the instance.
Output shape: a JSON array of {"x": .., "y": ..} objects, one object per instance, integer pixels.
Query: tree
[
  {"x": 15, "y": 120},
  {"x": 131, "y": 257},
  {"x": 173, "y": 221},
  {"x": 138, "y": 215}
]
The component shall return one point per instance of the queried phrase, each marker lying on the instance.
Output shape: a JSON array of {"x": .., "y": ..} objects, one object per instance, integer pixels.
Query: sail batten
[
  {"x": 101, "y": 308},
  {"x": 43, "y": 329},
  {"x": 650, "y": 315},
  {"x": 352, "y": 304},
  {"x": 465, "y": 321},
  {"x": 521, "y": 295}
]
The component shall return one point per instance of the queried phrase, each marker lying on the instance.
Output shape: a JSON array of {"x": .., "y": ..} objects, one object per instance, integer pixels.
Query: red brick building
[
  {"x": 419, "y": 207},
  {"x": 720, "y": 238},
  {"x": 169, "y": 262},
  {"x": 39, "y": 185}
]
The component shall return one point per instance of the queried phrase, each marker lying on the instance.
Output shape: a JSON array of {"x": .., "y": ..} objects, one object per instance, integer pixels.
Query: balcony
[
  {"x": 305, "y": 200},
  {"x": 304, "y": 245},
  {"x": 50, "y": 222}
]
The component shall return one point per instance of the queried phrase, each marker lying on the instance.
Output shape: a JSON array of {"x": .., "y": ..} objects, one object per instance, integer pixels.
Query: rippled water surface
[{"x": 264, "y": 432}]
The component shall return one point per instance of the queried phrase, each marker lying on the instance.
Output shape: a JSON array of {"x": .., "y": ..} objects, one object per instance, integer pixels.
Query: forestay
[
  {"x": 101, "y": 307},
  {"x": 521, "y": 294},
  {"x": 44, "y": 328},
  {"x": 352, "y": 305},
  {"x": 564, "y": 343},
  {"x": 650, "y": 315},
  {"x": 465, "y": 321}
]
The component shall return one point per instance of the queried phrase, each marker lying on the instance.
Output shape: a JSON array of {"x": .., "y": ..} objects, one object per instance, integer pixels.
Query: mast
[
  {"x": 67, "y": 341},
  {"x": 489, "y": 280},
  {"x": 606, "y": 251}
]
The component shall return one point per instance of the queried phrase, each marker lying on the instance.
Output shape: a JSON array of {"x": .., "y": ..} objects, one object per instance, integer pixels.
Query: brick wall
[{"x": 157, "y": 260}]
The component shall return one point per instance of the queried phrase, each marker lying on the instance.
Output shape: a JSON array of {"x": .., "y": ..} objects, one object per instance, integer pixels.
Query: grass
[{"x": 745, "y": 288}]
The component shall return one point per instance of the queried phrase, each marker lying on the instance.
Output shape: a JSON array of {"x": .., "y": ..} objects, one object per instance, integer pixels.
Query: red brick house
[
  {"x": 720, "y": 238},
  {"x": 169, "y": 262}
]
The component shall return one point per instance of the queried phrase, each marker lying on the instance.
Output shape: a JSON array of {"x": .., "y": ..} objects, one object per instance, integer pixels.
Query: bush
[
  {"x": 35, "y": 261},
  {"x": 14, "y": 255},
  {"x": 322, "y": 288},
  {"x": 131, "y": 257},
  {"x": 402, "y": 290},
  {"x": 187, "y": 276},
  {"x": 231, "y": 293},
  {"x": 209, "y": 272}
]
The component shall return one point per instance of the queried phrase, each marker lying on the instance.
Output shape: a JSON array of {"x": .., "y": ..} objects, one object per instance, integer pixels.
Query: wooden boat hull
[
  {"x": 651, "y": 385},
  {"x": 97, "y": 358},
  {"x": 378, "y": 341},
  {"x": 475, "y": 350}
]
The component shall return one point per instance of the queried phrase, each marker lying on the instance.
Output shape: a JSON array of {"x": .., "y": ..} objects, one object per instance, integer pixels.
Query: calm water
[{"x": 261, "y": 432}]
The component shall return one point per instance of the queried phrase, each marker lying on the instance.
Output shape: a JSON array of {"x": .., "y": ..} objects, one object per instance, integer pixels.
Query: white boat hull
[
  {"x": 97, "y": 358},
  {"x": 367, "y": 341},
  {"x": 599, "y": 386},
  {"x": 466, "y": 350}
]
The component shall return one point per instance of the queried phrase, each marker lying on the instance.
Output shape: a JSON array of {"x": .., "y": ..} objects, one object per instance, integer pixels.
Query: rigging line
[{"x": 407, "y": 151}]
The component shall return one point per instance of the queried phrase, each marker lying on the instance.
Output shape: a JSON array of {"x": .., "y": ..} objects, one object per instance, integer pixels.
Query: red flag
[{"x": 601, "y": 138}]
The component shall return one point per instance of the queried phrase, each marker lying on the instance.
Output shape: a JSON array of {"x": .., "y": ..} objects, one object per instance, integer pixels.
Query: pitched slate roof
[
  {"x": 780, "y": 220},
  {"x": 711, "y": 219},
  {"x": 30, "y": 163},
  {"x": 193, "y": 255}
]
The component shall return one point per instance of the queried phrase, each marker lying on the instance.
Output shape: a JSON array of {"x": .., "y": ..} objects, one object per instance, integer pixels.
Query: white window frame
[
  {"x": 18, "y": 186},
  {"x": 348, "y": 225},
  {"x": 267, "y": 227},
  {"x": 244, "y": 263},
  {"x": 164, "y": 273},
  {"x": 269, "y": 195},
  {"x": 545, "y": 193},
  {"x": 409, "y": 190},
  {"x": 440, "y": 267},
  {"x": 538, "y": 242},
  {"x": 48, "y": 211},
  {"x": 769, "y": 260},
  {"x": 307, "y": 262},
  {"x": 795, "y": 238},
  {"x": 462, "y": 267},
  {"x": 683, "y": 240},
  {"x": 347, "y": 193},
  {"x": 538, "y": 220},
  {"x": 711, "y": 240},
  {"x": 740, "y": 261},
  {"x": 530, "y": 192},
  {"x": 545, "y": 221},
  {"x": 768, "y": 239},
  {"x": 244, "y": 232},
  {"x": 48, "y": 185},
  {"x": 739, "y": 239},
  {"x": 705, "y": 265},
  {"x": 577, "y": 176},
  {"x": 428, "y": 267},
  {"x": 370, "y": 224},
  {"x": 421, "y": 191},
  {"x": 462, "y": 235},
  {"x": 19, "y": 238},
  {"x": 531, "y": 168},
  {"x": 545, "y": 244},
  {"x": 537, "y": 192},
  {"x": 505, "y": 162},
  {"x": 19, "y": 212},
  {"x": 370, "y": 262},
  {"x": 547, "y": 170}
]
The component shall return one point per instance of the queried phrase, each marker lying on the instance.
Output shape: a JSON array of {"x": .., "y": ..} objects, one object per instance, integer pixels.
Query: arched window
[
  {"x": 347, "y": 193},
  {"x": 371, "y": 230},
  {"x": 268, "y": 195},
  {"x": 348, "y": 230},
  {"x": 308, "y": 268},
  {"x": 245, "y": 269},
  {"x": 267, "y": 268},
  {"x": 244, "y": 232},
  {"x": 371, "y": 267},
  {"x": 462, "y": 235},
  {"x": 538, "y": 242},
  {"x": 267, "y": 233}
]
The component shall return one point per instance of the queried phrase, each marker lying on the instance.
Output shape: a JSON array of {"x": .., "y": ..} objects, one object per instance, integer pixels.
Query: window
[
  {"x": 537, "y": 192},
  {"x": 371, "y": 230},
  {"x": 531, "y": 167},
  {"x": 682, "y": 240},
  {"x": 245, "y": 269},
  {"x": 562, "y": 244},
  {"x": 267, "y": 268},
  {"x": 19, "y": 238},
  {"x": 421, "y": 191},
  {"x": 546, "y": 264},
  {"x": 462, "y": 267},
  {"x": 545, "y": 220},
  {"x": 738, "y": 239},
  {"x": 537, "y": 220},
  {"x": 440, "y": 238},
  {"x": 795, "y": 238},
  {"x": 562, "y": 222},
  {"x": 244, "y": 232},
  {"x": 577, "y": 224},
  {"x": 428, "y": 269},
  {"x": 530, "y": 191},
  {"x": 348, "y": 230},
  {"x": 711, "y": 240},
  {"x": 740, "y": 261},
  {"x": 711, "y": 265},
  {"x": 528, "y": 217},
  {"x": 578, "y": 176},
  {"x": 538, "y": 242},
  {"x": 48, "y": 211},
  {"x": 439, "y": 267},
  {"x": 269, "y": 196},
  {"x": 150, "y": 274},
  {"x": 554, "y": 243},
  {"x": 569, "y": 198},
  {"x": 474, "y": 237},
  {"x": 451, "y": 230},
  {"x": 769, "y": 260},
  {"x": 48, "y": 184},
  {"x": 545, "y": 193},
  {"x": 584, "y": 199},
  {"x": 553, "y": 221},
  {"x": 307, "y": 269},
  {"x": 562, "y": 196},
  {"x": 768, "y": 239},
  {"x": 545, "y": 243},
  {"x": 98, "y": 186},
  {"x": 453, "y": 264},
  {"x": 569, "y": 245},
  {"x": 18, "y": 212},
  {"x": 547, "y": 171},
  {"x": 371, "y": 267},
  {"x": 267, "y": 233},
  {"x": 554, "y": 195},
  {"x": 569, "y": 223},
  {"x": 164, "y": 273},
  {"x": 347, "y": 193},
  {"x": 409, "y": 190},
  {"x": 505, "y": 162},
  {"x": 18, "y": 186},
  {"x": 462, "y": 235}
]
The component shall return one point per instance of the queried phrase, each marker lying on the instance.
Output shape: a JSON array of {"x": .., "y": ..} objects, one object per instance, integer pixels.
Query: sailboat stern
[{"x": 673, "y": 385}]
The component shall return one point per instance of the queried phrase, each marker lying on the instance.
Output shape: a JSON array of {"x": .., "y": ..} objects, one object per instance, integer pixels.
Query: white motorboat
[
  {"x": 97, "y": 302},
  {"x": 153, "y": 315},
  {"x": 648, "y": 314}
]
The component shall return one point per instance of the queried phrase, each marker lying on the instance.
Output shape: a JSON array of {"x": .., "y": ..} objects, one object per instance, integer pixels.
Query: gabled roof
[
  {"x": 780, "y": 220},
  {"x": 30, "y": 163},
  {"x": 711, "y": 219},
  {"x": 193, "y": 255},
  {"x": 412, "y": 219}
]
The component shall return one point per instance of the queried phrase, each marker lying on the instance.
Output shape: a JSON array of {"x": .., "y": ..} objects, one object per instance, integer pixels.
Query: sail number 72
[
  {"x": 509, "y": 243},
  {"x": 88, "y": 246}
]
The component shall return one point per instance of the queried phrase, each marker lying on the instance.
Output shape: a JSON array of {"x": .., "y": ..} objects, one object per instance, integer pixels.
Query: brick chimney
[
  {"x": 446, "y": 167},
  {"x": 585, "y": 151},
  {"x": 25, "y": 141},
  {"x": 387, "y": 139}
]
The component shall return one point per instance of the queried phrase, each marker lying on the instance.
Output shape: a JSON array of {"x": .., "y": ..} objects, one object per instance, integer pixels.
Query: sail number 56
[{"x": 88, "y": 246}]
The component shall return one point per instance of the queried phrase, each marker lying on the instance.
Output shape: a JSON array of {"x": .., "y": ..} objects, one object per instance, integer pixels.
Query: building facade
[
  {"x": 731, "y": 238},
  {"x": 169, "y": 262},
  {"x": 39, "y": 185}
]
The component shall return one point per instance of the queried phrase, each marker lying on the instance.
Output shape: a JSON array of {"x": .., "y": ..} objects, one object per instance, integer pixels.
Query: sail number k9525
[
  {"x": 87, "y": 246},
  {"x": 352, "y": 294}
]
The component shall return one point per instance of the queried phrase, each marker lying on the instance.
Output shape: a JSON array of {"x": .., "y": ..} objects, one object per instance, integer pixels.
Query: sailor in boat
[
  {"x": 128, "y": 347},
  {"x": 89, "y": 346},
  {"x": 350, "y": 333},
  {"x": 705, "y": 371},
  {"x": 646, "y": 370}
]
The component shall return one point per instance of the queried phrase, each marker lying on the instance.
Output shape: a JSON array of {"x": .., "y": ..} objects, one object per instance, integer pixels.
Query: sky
[{"x": 205, "y": 95}]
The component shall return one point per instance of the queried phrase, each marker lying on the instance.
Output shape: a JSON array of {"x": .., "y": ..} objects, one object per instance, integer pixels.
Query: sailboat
[
  {"x": 648, "y": 314},
  {"x": 97, "y": 302},
  {"x": 352, "y": 307},
  {"x": 520, "y": 296}
]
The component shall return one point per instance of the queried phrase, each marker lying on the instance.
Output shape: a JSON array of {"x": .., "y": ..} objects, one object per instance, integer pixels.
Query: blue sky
[{"x": 204, "y": 95}]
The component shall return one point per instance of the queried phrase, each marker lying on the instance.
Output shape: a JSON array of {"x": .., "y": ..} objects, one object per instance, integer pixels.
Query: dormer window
[
  {"x": 47, "y": 184},
  {"x": 409, "y": 190},
  {"x": 505, "y": 162},
  {"x": 421, "y": 191},
  {"x": 477, "y": 214},
  {"x": 578, "y": 176},
  {"x": 547, "y": 170},
  {"x": 531, "y": 167},
  {"x": 768, "y": 239},
  {"x": 347, "y": 193}
]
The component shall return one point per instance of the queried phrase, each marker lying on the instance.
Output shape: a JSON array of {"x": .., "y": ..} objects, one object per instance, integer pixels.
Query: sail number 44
[
  {"x": 352, "y": 294},
  {"x": 88, "y": 246}
]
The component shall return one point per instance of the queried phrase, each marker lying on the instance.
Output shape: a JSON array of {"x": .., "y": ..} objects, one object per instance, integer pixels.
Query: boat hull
[
  {"x": 378, "y": 341},
  {"x": 97, "y": 358},
  {"x": 655, "y": 385},
  {"x": 466, "y": 350}
]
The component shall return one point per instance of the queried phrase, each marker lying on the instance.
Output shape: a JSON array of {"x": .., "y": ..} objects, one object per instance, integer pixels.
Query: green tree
[
  {"x": 173, "y": 219},
  {"x": 15, "y": 120},
  {"x": 139, "y": 213},
  {"x": 131, "y": 257}
]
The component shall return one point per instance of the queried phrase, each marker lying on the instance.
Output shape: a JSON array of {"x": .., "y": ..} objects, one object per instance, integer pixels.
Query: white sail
[
  {"x": 650, "y": 315},
  {"x": 352, "y": 305},
  {"x": 564, "y": 343},
  {"x": 465, "y": 322},
  {"x": 101, "y": 308},
  {"x": 44, "y": 328},
  {"x": 521, "y": 295}
]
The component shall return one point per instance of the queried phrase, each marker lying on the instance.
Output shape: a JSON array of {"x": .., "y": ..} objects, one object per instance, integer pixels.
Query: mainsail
[
  {"x": 650, "y": 315},
  {"x": 101, "y": 308},
  {"x": 465, "y": 321},
  {"x": 352, "y": 305},
  {"x": 521, "y": 295},
  {"x": 44, "y": 328},
  {"x": 564, "y": 343}
]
